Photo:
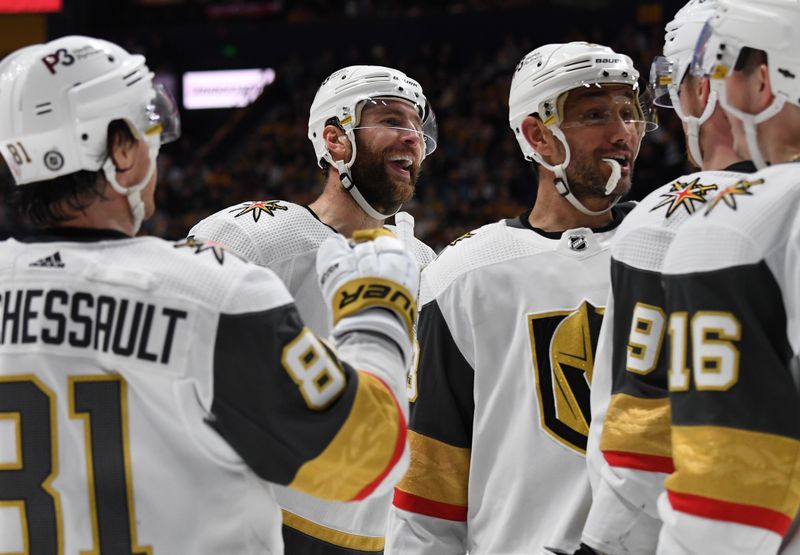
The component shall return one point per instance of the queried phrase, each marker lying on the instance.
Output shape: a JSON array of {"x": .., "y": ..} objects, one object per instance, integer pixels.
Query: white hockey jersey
[
  {"x": 285, "y": 237},
  {"x": 630, "y": 404},
  {"x": 732, "y": 281},
  {"x": 508, "y": 325},
  {"x": 149, "y": 390}
]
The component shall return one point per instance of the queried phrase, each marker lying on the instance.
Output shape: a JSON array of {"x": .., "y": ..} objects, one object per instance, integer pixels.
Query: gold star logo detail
[
  {"x": 199, "y": 246},
  {"x": 686, "y": 195},
  {"x": 729, "y": 194},
  {"x": 259, "y": 207},
  {"x": 465, "y": 236}
]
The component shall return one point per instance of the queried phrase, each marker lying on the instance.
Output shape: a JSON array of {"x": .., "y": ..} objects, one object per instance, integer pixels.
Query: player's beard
[
  {"x": 384, "y": 192},
  {"x": 588, "y": 176}
]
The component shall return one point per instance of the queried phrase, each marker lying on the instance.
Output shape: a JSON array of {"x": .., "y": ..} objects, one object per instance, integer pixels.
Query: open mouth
[
  {"x": 623, "y": 159},
  {"x": 402, "y": 165}
]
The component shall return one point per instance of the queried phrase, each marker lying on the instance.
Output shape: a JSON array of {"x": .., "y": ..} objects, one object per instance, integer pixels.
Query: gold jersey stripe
[
  {"x": 637, "y": 425},
  {"x": 329, "y": 535},
  {"x": 361, "y": 450},
  {"x": 437, "y": 471},
  {"x": 362, "y": 293},
  {"x": 737, "y": 466},
  {"x": 363, "y": 235}
]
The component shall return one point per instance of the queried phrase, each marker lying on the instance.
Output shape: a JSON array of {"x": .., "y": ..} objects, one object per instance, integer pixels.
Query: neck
[
  {"x": 108, "y": 212},
  {"x": 716, "y": 142},
  {"x": 552, "y": 212},
  {"x": 779, "y": 136},
  {"x": 719, "y": 158},
  {"x": 336, "y": 208}
]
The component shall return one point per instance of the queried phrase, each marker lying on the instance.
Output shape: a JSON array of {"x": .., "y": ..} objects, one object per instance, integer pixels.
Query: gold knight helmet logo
[{"x": 563, "y": 345}]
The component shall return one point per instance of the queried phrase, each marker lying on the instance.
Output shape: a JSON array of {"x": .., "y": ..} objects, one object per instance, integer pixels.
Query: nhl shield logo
[{"x": 577, "y": 242}]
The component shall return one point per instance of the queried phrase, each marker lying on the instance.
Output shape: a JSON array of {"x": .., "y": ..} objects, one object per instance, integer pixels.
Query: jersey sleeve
[
  {"x": 430, "y": 503},
  {"x": 635, "y": 439},
  {"x": 735, "y": 414},
  {"x": 296, "y": 413}
]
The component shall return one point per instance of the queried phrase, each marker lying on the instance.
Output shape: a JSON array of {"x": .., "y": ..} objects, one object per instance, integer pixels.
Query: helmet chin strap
[
  {"x": 134, "y": 193},
  {"x": 347, "y": 181},
  {"x": 693, "y": 123},
  {"x": 562, "y": 184}
]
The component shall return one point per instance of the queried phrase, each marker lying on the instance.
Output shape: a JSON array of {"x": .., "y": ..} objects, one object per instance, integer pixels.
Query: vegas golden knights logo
[{"x": 563, "y": 344}]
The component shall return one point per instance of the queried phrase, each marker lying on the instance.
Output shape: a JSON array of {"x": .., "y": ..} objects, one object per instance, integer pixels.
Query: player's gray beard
[
  {"x": 586, "y": 182},
  {"x": 379, "y": 190}
]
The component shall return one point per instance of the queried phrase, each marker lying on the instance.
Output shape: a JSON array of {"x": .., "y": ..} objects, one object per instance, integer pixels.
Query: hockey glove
[{"x": 372, "y": 271}]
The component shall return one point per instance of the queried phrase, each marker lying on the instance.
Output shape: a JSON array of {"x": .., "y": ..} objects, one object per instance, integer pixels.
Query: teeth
[{"x": 405, "y": 160}]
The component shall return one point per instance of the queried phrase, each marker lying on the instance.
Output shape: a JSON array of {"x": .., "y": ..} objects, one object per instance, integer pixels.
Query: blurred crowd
[{"x": 477, "y": 174}]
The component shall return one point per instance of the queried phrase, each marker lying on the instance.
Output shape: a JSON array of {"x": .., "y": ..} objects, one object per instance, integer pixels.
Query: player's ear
[
  {"x": 122, "y": 149},
  {"x": 540, "y": 138},
  {"x": 337, "y": 142}
]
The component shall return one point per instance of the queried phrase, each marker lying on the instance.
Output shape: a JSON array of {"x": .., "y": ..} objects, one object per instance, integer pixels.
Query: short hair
[
  {"x": 749, "y": 59},
  {"x": 53, "y": 201}
]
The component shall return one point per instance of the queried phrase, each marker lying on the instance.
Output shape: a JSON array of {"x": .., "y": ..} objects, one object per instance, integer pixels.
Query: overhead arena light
[
  {"x": 224, "y": 89},
  {"x": 36, "y": 6}
]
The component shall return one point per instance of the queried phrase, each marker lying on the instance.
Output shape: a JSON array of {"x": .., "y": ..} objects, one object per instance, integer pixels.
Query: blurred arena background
[{"x": 463, "y": 52}]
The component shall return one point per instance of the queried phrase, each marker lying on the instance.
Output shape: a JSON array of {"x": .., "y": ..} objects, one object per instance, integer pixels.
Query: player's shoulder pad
[
  {"x": 248, "y": 214},
  {"x": 673, "y": 202},
  {"x": 264, "y": 231},
  {"x": 490, "y": 244},
  {"x": 207, "y": 273}
]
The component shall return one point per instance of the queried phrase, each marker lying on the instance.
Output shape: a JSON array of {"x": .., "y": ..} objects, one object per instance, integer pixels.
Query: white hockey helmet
[
  {"x": 342, "y": 97},
  {"x": 57, "y": 99},
  {"x": 772, "y": 26},
  {"x": 668, "y": 71},
  {"x": 545, "y": 74}
]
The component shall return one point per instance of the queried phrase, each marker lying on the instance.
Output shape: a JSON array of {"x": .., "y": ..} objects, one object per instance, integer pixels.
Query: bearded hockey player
[
  {"x": 511, "y": 315},
  {"x": 371, "y": 128},
  {"x": 628, "y": 475},
  {"x": 151, "y": 391},
  {"x": 733, "y": 300}
]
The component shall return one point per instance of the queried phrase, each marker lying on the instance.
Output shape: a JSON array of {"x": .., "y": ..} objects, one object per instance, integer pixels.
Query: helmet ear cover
[{"x": 45, "y": 203}]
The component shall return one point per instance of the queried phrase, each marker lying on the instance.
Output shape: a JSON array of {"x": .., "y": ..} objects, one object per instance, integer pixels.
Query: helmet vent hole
[
  {"x": 111, "y": 59},
  {"x": 605, "y": 74},
  {"x": 400, "y": 89},
  {"x": 624, "y": 73},
  {"x": 85, "y": 137}
]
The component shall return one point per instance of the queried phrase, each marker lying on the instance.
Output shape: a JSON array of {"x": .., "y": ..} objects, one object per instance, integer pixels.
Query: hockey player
[
  {"x": 510, "y": 319},
  {"x": 734, "y": 307},
  {"x": 371, "y": 128},
  {"x": 150, "y": 391},
  {"x": 627, "y": 477}
]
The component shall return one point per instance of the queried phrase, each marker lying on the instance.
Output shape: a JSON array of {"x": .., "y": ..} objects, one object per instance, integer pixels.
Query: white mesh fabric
[
  {"x": 422, "y": 252},
  {"x": 265, "y": 236},
  {"x": 490, "y": 244},
  {"x": 645, "y": 235},
  {"x": 749, "y": 227}
]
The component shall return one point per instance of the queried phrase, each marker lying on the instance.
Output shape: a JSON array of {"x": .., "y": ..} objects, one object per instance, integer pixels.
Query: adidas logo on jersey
[{"x": 52, "y": 261}]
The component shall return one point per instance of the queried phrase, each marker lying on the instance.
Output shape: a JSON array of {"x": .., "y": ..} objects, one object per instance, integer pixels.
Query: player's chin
[{"x": 623, "y": 186}]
